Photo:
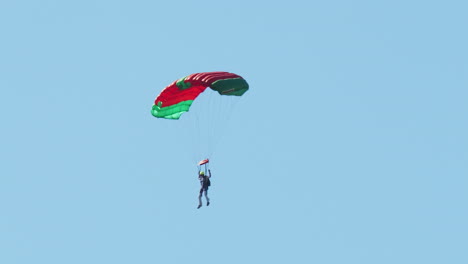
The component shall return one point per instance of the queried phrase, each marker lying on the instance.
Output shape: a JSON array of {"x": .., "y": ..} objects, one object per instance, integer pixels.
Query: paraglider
[{"x": 177, "y": 99}]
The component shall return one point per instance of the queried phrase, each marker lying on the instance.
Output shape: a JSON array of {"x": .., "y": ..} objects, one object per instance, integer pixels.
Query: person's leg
[
  {"x": 206, "y": 196},
  {"x": 199, "y": 198}
]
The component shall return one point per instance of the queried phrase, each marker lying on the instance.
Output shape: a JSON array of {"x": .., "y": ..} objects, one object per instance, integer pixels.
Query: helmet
[{"x": 202, "y": 173}]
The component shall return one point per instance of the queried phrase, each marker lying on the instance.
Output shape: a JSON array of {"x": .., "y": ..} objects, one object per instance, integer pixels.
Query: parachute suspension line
[
  {"x": 196, "y": 134},
  {"x": 216, "y": 119},
  {"x": 208, "y": 119}
]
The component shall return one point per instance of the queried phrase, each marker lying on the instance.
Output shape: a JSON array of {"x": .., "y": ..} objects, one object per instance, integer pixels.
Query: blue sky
[{"x": 350, "y": 147}]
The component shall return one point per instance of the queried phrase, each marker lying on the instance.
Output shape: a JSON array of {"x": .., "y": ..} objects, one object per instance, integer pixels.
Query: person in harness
[{"x": 205, "y": 184}]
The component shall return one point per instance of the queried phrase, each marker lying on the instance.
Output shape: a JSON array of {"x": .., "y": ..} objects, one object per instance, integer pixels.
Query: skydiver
[{"x": 205, "y": 183}]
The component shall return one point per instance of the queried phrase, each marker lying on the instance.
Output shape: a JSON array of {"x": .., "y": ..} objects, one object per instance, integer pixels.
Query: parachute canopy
[{"x": 177, "y": 98}]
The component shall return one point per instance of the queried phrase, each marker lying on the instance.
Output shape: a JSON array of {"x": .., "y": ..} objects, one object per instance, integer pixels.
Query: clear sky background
[{"x": 350, "y": 147}]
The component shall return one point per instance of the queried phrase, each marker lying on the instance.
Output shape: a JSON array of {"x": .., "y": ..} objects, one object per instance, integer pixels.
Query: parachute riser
[{"x": 204, "y": 165}]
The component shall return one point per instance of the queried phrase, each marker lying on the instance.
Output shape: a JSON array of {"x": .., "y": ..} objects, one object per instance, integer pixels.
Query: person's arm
[{"x": 209, "y": 173}]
